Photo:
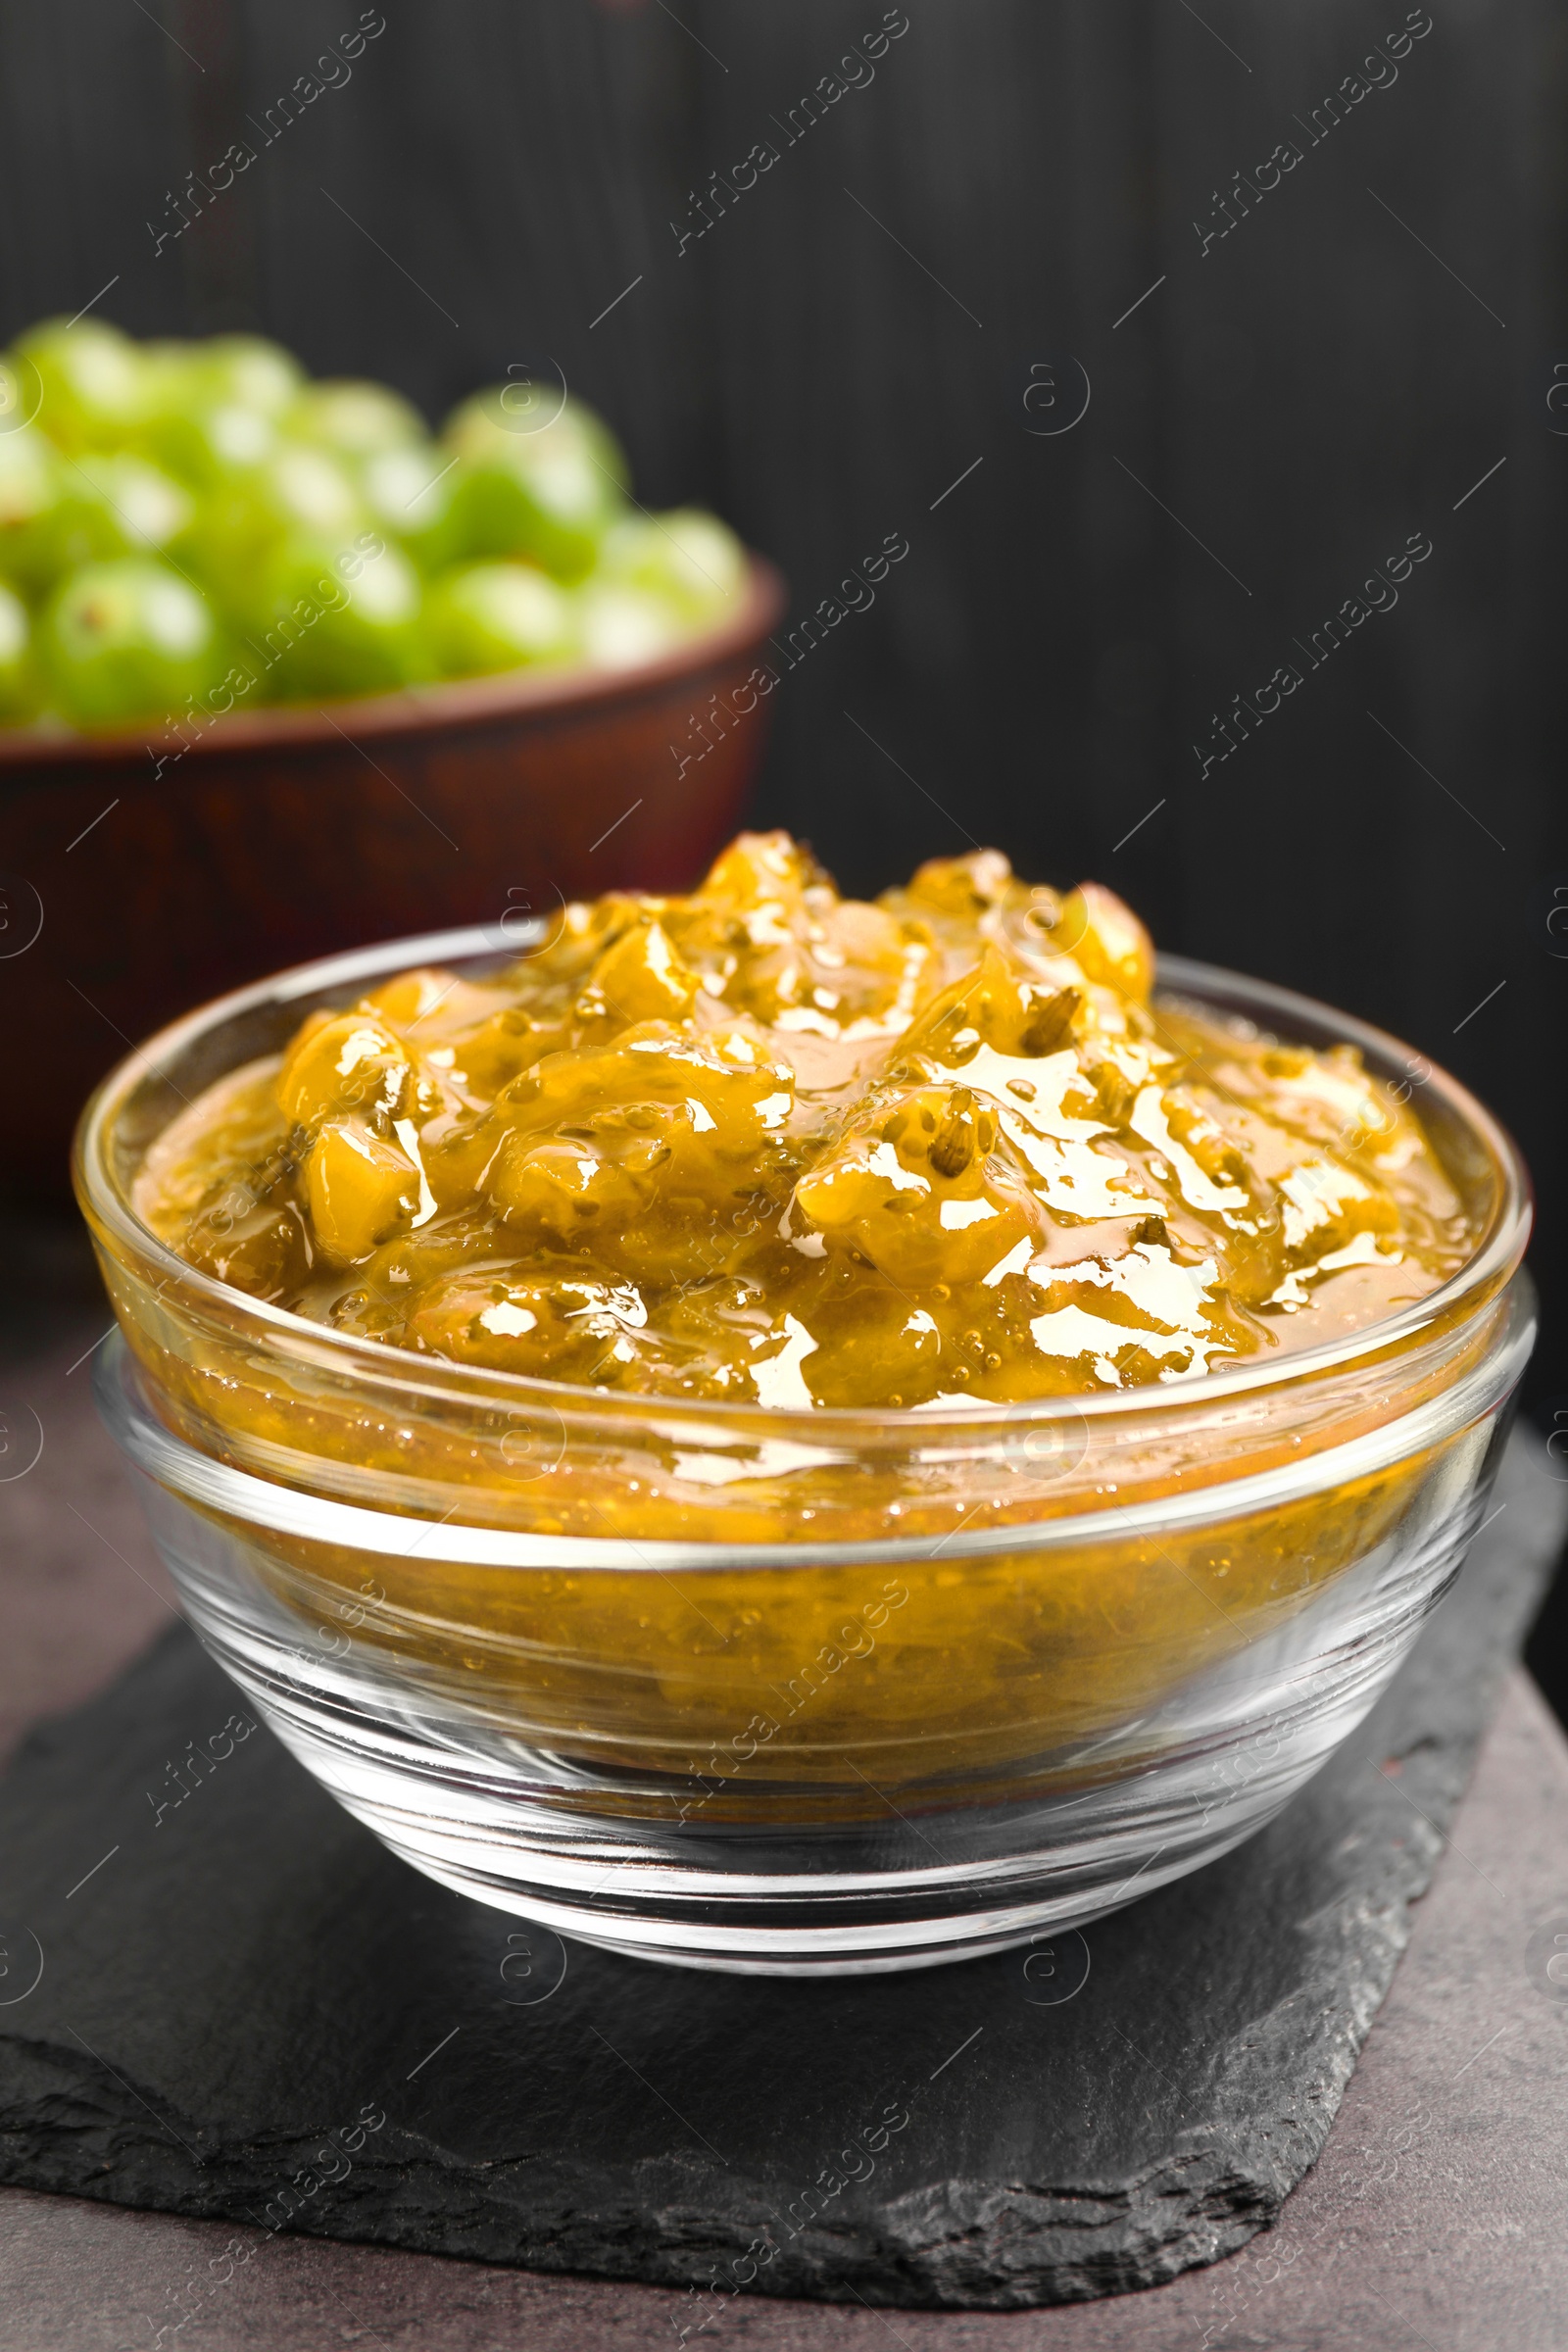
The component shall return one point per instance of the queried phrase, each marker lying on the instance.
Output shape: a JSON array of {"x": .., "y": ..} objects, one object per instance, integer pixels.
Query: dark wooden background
[{"x": 865, "y": 323}]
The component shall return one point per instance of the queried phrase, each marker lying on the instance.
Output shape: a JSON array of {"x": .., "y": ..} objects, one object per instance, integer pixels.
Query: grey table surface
[{"x": 1437, "y": 2216}]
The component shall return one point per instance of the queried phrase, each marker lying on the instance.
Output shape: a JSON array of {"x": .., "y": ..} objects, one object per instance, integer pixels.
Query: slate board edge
[
  {"x": 964, "y": 2245},
  {"x": 959, "y": 2244}
]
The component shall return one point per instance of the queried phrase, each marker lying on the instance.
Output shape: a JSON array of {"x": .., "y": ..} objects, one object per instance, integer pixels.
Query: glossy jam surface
[{"x": 768, "y": 1144}]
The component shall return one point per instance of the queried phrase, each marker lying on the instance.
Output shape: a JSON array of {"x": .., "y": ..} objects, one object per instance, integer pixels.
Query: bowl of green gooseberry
[
  {"x": 175, "y": 516},
  {"x": 282, "y": 672}
]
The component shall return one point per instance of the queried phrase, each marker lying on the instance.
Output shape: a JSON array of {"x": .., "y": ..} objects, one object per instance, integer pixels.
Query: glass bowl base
[{"x": 782, "y": 1887}]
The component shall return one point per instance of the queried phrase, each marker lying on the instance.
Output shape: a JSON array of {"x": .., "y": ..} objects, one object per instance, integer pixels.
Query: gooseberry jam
[{"x": 771, "y": 1144}]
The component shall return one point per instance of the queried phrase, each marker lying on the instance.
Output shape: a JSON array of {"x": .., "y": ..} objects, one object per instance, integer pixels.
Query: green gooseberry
[
  {"x": 126, "y": 641},
  {"x": 489, "y": 616},
  {"x": 210, "y": 441},
  {"x": 58, "y": 513},
  {"x": 621, "y": 626},
  {"x": 547, "y": 489},
  {"x": 248, "y": 372},
  {"x": 141, "y": 509},
  {"x": 355, "y": 418},
  {"x": 408, "y": 491},
  {"x": 688, "y": 555},
  {"x": 294, "y": 490},
  {"x": 344, "y": 620},
  {"x": 89, "y": 382}
]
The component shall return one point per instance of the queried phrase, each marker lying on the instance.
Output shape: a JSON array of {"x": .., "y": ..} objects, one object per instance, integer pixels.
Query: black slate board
[{"x": 247, "y": 1994}]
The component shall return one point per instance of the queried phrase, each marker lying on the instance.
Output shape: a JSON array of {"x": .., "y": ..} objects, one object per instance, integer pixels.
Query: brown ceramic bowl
[{"x": 130, "y": 892}]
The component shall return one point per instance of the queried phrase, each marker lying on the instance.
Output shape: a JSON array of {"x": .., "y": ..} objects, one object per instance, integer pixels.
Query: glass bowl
[{"x": 795, "y": 1692}]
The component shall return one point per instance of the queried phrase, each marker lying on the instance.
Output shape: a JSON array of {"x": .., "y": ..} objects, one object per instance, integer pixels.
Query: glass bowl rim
[{"x": 1495, "y": 1260}]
